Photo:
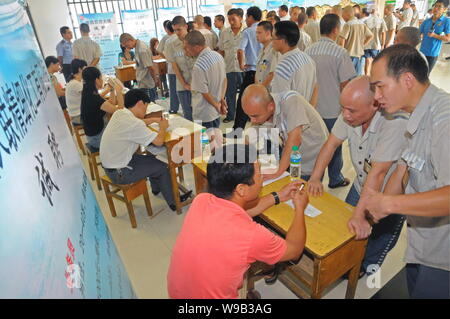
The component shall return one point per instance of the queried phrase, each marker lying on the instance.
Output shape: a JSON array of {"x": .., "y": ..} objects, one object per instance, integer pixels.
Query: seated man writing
[
  {"x": 219, "y": 240},
  {"x": 126, "y": 132}
]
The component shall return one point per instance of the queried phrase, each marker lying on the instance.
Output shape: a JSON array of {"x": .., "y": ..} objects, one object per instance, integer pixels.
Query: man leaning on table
[
  {"x": 375, "y": 141},
  {"x": 219, "y": 240},
  {"x": 400, "y": 77},
  {"x": 299, "y": 124},
  {"x": 125, "y": 133}
]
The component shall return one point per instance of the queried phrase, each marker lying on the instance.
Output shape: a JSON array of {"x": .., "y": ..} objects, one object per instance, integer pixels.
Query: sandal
[{"x": 345, "y": 182}]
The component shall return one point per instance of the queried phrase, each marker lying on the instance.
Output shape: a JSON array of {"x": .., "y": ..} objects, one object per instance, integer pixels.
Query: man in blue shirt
[
  {"x": 64, "y": 51},
  {"x": 247, "y": 56},
  {"x": 435, "y": 30}
]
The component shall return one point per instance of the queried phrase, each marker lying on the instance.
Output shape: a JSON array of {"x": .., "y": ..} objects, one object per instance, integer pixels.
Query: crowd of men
[{"x": 349, "y": 75}]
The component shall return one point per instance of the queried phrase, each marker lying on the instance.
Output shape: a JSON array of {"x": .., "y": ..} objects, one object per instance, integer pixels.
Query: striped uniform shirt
[
  {"x": 427, "y": 157},
  {"x": 295, "y": 71},
  {"x": 333, "y": 66},
  {"x": 208, "y": 76}
]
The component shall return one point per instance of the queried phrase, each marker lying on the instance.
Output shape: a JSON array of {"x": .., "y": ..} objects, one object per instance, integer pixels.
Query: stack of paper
[{"x": 310, "y": 210}]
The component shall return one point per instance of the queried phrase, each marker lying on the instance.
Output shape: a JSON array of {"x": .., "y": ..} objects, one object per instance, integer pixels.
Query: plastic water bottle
[
  {"x": 296, "y": 164},
  {"x": 206, "y": 150}
]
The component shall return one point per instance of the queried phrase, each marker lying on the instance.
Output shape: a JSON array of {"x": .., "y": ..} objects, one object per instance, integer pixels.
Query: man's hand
[
  {"x": 432, "y": 35},
  {"x": 223, "y": 107},
  {"x": 271, "y": 176},
  {"x": 163, "y": 124},
  {"x": 377, "y": 204},
  {"x": 187, "y": 86},
  {"x": 288, "y": 191},
  {"x": 359, "y": 226},
  {"x": 300, "y": 199},
  {"x": 315, "y": 187}
]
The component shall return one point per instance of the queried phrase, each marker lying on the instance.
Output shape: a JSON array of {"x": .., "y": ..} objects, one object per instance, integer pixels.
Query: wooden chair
[
  {"x": 130, "y": 192},
  {"x": 79, "y": 132},
  {"x": 68, "y": 121},
  {"x": 92, "y": 154}
]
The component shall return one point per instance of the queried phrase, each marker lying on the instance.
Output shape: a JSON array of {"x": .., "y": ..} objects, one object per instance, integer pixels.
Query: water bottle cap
[
  {"x": 203, "y": 130},
  {"x": 295, "y": 148}
]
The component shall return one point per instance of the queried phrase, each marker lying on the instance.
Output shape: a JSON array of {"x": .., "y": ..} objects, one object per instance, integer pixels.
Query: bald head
[
  {"x": 348, "y": 13},
  {"x": 358, "y": 91},
  {"x": 257, "y": 94},
  {"x": 257, "y": 103}
]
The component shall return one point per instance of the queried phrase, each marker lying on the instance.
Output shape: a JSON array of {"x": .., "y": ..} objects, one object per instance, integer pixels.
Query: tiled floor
[{"x": 146, "y": 250}]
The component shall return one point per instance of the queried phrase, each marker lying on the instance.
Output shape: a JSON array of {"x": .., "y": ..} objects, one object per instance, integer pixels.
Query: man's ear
[
  {"x": 407, "y": 79},
  {"x": 241, "y": 190}
]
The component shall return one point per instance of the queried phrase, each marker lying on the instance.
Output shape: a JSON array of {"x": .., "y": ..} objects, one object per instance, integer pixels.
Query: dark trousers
[
  {"x": 431, "y": 62},
  {"x": 334, "y": 168},
  {"x": 241, "y": 118},
  {"x": 174, "y": 103},
  {"x": 66, "y": 71},
  {"x": 145, "y": 166},
  {"x": 427, "y": 283}
]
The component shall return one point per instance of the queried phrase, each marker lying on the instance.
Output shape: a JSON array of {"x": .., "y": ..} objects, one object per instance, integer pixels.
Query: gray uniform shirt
[
  {"x": 333, "y": 66},
  {"x": 229, "y": 43},
  {"x": 427, "y": 158},
  {"x": 143, "y": 57},
  {"x": 161, "y": 47},
  {"x": 174, "y": 52},
  {"x": 266, "y": 63},
  {"x": 86, "y": 49}
]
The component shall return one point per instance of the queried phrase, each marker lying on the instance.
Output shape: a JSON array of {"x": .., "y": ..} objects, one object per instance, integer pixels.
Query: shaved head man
[
  {"x": 375, "y": 143},
  {"x": 293, "y": 118}
]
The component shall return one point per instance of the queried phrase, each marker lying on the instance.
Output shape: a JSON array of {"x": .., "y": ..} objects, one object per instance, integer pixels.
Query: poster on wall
[
  {"x": 274, "y": 5},
  {"x": 211, "y": 10},
  {"x": 139, "y": 23},
  {"x": 54, "y": 242},
  {"x": 243, "y": 5},
  {"x": 105, "y": 32},
  {"x": 168, "y": 14}
]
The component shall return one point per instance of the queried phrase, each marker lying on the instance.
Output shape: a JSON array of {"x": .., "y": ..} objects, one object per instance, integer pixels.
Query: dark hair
[
  {"x": 365, "y": 12},
  {"x": 178, "y": 20},
  {"x": 254, "y": 12},
  {"x": 207, "y": 21},
  {"x": 444, "y": 2},
  {"x": 50, "y": 60},
  {"x": 235, "y": 11},
  {"x": 168, "y": 25},
  {"x": 402, "y": 58},
  {"x": 310, "y": 11},
  {"x": 412, "y": 34},
  {"x": 133, "y": 96},
  {"x": 302, "y": 9},
  {"x": 284, "y": 8},
  {"x": 190, "y": 26},
  {"x": 266, "y": 25},
  {"x": 271, "y": 13},
  {"x": 84, "y": 27},
  {"x": 195, "y": 38},
  {"x": 229, "y": 166},
  {"x": 220, "y": 18},
  {"x": 75, "y": 67},
  {"x": 153, "y": 46},
  {"x": 302, "y": 18},
  {"x": 328, "y": 23},
  {"x": 288, "y": 31},
  {"x": 90, "y": 74},
  {"x": 63, "y": 30}
]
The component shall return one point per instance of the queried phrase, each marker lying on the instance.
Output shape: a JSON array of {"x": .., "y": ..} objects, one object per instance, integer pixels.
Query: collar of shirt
[
  {"x": 373, "y": 127},
  {"x": 65, "y": 41},
  {"x": 228, "y": 205},
  {"x": 291, "y": 52},
  {"x": 326, "y": 39},
  {"x": 421, "y": 109},
  {"x": 204, "y": 51}
]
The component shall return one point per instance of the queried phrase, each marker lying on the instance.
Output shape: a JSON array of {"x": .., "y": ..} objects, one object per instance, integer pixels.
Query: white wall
[{"x": 48, "y": 16}]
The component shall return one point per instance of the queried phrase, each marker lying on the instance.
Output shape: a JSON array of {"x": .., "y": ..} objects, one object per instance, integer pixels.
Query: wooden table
[
  {"x": 182, "y": 143},
  {"x": 330, "y": 251},
  {"x": 126, "y": 73}
]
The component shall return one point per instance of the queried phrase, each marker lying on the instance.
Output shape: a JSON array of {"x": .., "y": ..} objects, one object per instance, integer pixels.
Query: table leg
[
  {"x": 175, "y": 190},
  {"x": 352, "y": 282}
]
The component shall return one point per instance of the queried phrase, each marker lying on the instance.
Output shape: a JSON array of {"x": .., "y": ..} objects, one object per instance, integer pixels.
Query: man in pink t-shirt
[{"x": 219, "y": 240}]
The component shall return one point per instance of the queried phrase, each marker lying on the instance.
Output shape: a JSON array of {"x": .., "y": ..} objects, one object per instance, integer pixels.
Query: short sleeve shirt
[
  {"x": 208, "y": 76},
  {"x": 295, "y": 71},
  {"x": 377, "y": 26},
  {"x": 222, "y": 232},
  {"x": 267, "y": 62},
  {"x": 64, "y": 49},
  {"x": 304, "y": 40},
  {"x": 86, "y": 49},
  {"x": 355, "y": 33},
  {"x": 161, "y": 46},
  {"x": 427, "y": 158},
  {"x": 431, "y": 46},
  {"x": 92, "y": 114},
  {"x": 122, "y": 137},
  {"x": 174, "y": 52},
  {"x": 292, "y": 111},
  {"x": 250, "y": 46},
  {"x": 144, "y": 60},
  {"x": 73, "y": 97},
  {"x": 229, "y": 44},
  {"x": 391, "y": 22},
  {"x": 383, "y": 141},
  {"x": 313, "y": 30},
  {"x": 333, "y": 66},
  {"x": 407, "y": 16}
]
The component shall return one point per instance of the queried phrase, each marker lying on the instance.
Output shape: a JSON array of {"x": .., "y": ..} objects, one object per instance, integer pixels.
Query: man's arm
[
  {"x": 211, "y": 100},
  {"x": 341, "y": 41},
  {"x": 444, "y": 38},
  {"x": 268, "y": 79},
  {"x": 241, "y": 59},
  {"x": 389, "y": 37},
  {"x": 180, "y": 76},
  {"x": 315, "y": 96},
  {"x": 94, "y": 62},
  {"x": 160, "y": 138},
  {"x": 315, "y": 187}
]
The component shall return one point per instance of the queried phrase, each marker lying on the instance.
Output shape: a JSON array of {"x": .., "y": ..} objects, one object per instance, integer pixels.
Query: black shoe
[
  {"x": 173, "y": 112},
  {"x": 273, "y": 275},
  {"x": 227, "y": 120},
  {"x": 183, "y": 198},
  {"x": 155, "y": 193},
  {"x": 345, "y": 182}
]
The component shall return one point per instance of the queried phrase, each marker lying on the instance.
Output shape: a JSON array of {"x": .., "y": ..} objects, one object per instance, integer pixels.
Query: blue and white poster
[
  {"x": 105, "y": 32},
  {"x": 140, "y": 24},
  {"x": 54, "y": 242},
  {"x": 243, "y": 5},
  {"x": 211, "y": 10},
  {"x": 274, "y": 5},
  {"x": 168, "y": 14}
]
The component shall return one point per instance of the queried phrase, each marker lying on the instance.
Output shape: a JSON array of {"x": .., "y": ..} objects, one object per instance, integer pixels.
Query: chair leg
[
  {"x": 109, "y": 199},
  {"x": 181, "y": 174},
  {"x": 79, "y": 141},
  {"x": 91, "y": 169},
  {"x": 97, "y": 175},
  {"x": 131, "y": 214},
  {"x": 148, "y": 204}
]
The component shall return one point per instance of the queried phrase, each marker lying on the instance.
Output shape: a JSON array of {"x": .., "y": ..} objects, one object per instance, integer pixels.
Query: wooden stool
[
  {"x": 68, "y": 121},
  {"x": 78, "y": 134},
  {"x": 130, "y": 192},
  {"x": 92, "y": 154}
]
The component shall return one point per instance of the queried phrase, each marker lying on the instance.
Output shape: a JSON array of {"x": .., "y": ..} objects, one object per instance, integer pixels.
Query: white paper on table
[
  {"x": 178, "y": 126},
  {"x": 270, "y": 181},
  {"x": 310, "y": 210},
  {"x": 153, "y": 107},
  {"x": 159, "y": 60}
]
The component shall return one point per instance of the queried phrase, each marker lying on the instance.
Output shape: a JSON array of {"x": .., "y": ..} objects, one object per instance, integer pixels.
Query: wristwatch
[{"x": 277, "y": 198}]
